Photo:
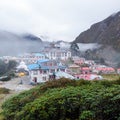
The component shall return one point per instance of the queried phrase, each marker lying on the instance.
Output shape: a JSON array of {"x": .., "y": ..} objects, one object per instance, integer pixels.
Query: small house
[
  {"x": 85, "y": 70},
  {"x": 44, "y": 70},
  {"x": 88, "y": 76},
  {"x": 73, "y": 68},
  {"x": 105, "y": 70},
  {"x": 79, "y": 61}
]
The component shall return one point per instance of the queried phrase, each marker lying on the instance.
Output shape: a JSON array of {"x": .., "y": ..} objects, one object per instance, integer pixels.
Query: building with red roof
[{"x": 85, "y": 70}]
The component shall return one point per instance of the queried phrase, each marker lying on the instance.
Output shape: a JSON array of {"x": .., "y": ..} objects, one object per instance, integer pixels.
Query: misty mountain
[
  {"x": 31, "y": 37},
  {"x": 63, "y": 44},
  {"x": 13, "y": 44},
  {"x": 105, "y": 33}
]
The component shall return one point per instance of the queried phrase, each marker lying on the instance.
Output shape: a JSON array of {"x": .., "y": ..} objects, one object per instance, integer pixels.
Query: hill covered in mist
[
  {"x": 106, "y": 34},
  {"x": 13, "y": 44}
]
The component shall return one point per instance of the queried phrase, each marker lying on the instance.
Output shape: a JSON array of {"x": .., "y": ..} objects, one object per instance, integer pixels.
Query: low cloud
[{"x": 59, "y": 19}]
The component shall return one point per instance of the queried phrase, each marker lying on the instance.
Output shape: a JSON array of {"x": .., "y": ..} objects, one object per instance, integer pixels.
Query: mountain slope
[
  {"x": 12, "y": 44},
  {"x": 105, "y": 32}
]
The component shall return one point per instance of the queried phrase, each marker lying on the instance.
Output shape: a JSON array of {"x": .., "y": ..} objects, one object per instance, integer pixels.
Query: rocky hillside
[
  {"x": 107, "y": 34},
  {"x": 12, "y": 44}
]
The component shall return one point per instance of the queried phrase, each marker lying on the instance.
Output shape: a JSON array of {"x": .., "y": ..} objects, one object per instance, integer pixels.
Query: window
[
  {"x": 55, "y": 64},
  {"x": 44, "y": 78},
  {"x": 62, "y": 70},
  {"x": 69, "y": 54},
  {"x": 40, "y": 71},
  {"x": 44, "y": 71},
  {"x": 35, "y": 72},
  {"x": 51, "y": 54},
  {"x": 50, "y": 63},
  {"x": 45, "y": 64},
  {"x": 52, "y": 70},
  {"x": 35, "y": 79},
  {"x": 65, "y": 54},
  {"x": 54, "y": 54}
]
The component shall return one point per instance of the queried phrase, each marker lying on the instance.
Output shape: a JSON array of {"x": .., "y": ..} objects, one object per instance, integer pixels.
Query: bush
[
  {"x": 63, "y": 82},
  {"x": 86, "y": 115},
  {"x": 66, "y": 100},
  {"x": 116, "y": 81},
  {"x": 83, "y": 82}
]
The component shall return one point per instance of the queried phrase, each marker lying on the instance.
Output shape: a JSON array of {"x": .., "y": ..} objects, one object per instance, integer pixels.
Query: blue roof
[
  {"x": 38, "y": 65},
  {"x": 45, "y": 68},
  {"x": 38, "y": 54},
  {"x": 42, "y": 61},
  {"x": 62, "y": 67},
  {"x": 33, "y": 66}
]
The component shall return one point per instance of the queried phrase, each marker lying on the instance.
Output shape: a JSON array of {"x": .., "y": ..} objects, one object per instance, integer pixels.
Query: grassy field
[{"x": 111, "y": 76}]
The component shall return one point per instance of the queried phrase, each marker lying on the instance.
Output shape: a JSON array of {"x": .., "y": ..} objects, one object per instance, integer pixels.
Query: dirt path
[{"x": 17, "y": 84}]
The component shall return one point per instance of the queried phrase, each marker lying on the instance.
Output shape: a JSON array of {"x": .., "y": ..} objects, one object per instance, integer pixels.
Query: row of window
[
  {"x": 45, "y": 71},
  {"x": 50, "y": 64},
  {"x": 59, "y": 54},
  {"x": 33, "y": 57}
]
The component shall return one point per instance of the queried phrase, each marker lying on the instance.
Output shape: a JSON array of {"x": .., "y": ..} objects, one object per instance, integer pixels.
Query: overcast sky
[{"x": 58, "y": 19}]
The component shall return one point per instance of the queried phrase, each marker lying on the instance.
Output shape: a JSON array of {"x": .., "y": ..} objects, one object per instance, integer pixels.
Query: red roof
[
  {"x": 85, "y": 68},
  {"x": 83, "y": 76},
  {"x": 105, "y": 69}
]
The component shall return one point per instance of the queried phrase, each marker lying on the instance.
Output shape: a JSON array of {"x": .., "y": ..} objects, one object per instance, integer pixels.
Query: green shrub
[
  {"x": 82, "y": 82},
  {"x": 63, "y": 82},
  {"x": 116, "y": 81},
  {"x": 66, "y": 100},
  {"x": 86, "y": 115}
]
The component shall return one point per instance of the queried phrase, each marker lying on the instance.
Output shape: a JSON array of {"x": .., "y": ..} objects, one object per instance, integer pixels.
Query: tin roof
[
  {"x": 33, "y": 66},
  {"x": 38, "y": 54}
]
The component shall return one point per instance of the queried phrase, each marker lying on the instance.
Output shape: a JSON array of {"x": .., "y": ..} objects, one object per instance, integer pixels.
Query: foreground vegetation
[
  {"x": 66, "y": 99},
  {"x": 4, "y": 92},
  {"x": 111, "y": 76}
]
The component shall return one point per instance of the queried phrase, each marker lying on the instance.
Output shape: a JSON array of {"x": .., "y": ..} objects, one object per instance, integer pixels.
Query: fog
[
  {"x": 13, "y": 44},
  {"x": 88, "y": 46},
  {"x": 58, "y": 19}
]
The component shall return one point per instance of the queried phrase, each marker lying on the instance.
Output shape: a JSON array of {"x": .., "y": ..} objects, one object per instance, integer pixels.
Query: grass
[
  {"x": 4, "y": 91},
  {"x": 111, "y": 76}
]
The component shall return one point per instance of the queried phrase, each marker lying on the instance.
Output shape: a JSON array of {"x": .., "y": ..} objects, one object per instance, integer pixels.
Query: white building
[
  {"x": 23, "y": 66},
  {"x": 44, "y": 70},
  {"x": 57, "y": 53},
  {"x": 27, "y": 58}
]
